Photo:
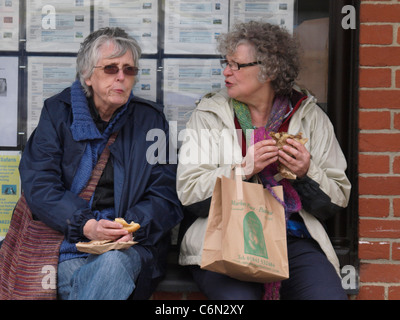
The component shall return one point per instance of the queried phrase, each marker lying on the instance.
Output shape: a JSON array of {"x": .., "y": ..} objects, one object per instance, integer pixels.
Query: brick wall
[{"x": 379, "y": 150}]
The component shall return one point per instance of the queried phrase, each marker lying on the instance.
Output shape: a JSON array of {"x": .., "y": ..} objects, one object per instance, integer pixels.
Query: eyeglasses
[
  {"x": 234, "y": 66},
  {"x": 113, "y": 69}
]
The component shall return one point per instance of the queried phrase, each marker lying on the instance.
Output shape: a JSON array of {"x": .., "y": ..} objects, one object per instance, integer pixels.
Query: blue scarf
[{"x": 83, "y": 128}]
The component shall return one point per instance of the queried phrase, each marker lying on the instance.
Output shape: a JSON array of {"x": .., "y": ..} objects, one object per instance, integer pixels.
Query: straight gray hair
[{"x": 89, "y": 52}]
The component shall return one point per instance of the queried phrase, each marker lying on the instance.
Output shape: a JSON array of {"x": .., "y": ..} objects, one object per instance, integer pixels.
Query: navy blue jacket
[{"x": 144, "y": 192}]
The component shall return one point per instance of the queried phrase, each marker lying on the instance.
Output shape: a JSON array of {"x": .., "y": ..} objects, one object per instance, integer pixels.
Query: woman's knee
[
  {"x": 119, "y": 261},
  {"x": 312, "y": 276}
]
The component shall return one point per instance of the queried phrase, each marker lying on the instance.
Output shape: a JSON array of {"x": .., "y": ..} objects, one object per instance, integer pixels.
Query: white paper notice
[
  {"x": 46, "y": 77},
  {"x": 279, "y": 12},
  {"x": 138, "y": 18},
  {"x": 9, "y": 24},
  {"x": 146, "y": 86},
  {"x": 191, "y": 26},
  {"x": 8, "y": 101},
  {"x": 186, "y": 81},
  {"x": 56, "y": 25},
  {"x": 10, "y": 187}
]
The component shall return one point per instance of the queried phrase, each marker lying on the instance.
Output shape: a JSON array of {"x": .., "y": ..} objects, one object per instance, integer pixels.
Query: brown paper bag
[
  {"x": 99, "y": 247},
  {"x": 246, "y": 232}
]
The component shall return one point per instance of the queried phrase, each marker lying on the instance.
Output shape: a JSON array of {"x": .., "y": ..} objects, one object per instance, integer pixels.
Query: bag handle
[
  {"x": 237, "y": 174},
  {"x": 87, "y": 192}
]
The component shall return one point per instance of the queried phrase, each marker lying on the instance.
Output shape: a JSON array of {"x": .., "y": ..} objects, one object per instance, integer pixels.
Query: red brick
[
  {"x": 396, "y": 165},
  {"x": 394, "y": 293},
  {"x": 373, "y": 250},
  {"x": 379, "y": 186},
  {"x": 396, "y": 251},
  {"x": 379, "y": 142},
  {"x": 374, "y": 120},
  {"x": 376, "y": 34},
  {"x": 398, "y": 35},
  {"x": 398, "y": 73},
  {"x": 374, "y": 228},
  {"x": 396, "y": 207},
  {"x": 375, "y": 78},
  {"x": 378, "y": 208},
  {"x": 379, "y": 12},
  {"x": 371, "y": 293},
  {"x": 370, "y": 272},
  {"x": 379, "y": 56},
  {"x": 379, "y": 99},
  {"x": 373, "y": 164},
  {"x": 397, "y": 121}
]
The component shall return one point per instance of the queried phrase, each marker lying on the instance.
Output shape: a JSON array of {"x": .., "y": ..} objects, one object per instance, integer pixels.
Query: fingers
[
  {"x": 126, "y": 238},
  {"x": 295, "y": 157},
  {"x": 103, "y": 230},
  {"x": 111, "y": 229},
  {"x": 265, "y": 149},
  {"x": 259, "y": 156}
]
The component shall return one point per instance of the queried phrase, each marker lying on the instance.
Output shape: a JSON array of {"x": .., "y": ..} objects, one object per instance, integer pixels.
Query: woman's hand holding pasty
[
  {"x": 295, "y": 157},
  {"x": 258, "y": 156},
  {"x": 106, "y": 230}
]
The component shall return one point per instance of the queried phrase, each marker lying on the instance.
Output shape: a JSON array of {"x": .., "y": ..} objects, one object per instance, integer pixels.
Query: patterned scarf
[{"x": 292, "y": 202}]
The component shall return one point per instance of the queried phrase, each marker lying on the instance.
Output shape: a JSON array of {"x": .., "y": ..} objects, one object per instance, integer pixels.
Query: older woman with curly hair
[{"x": 261, "y": 63}]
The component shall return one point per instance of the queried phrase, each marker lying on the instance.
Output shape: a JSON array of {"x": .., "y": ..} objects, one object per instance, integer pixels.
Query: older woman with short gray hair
[
  {"x": 61, "y": 154},
  {"x": 89, "y": 53}
]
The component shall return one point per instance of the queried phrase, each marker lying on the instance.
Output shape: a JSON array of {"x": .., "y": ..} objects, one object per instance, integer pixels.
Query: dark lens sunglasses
[{"x": 113, "y": 69}]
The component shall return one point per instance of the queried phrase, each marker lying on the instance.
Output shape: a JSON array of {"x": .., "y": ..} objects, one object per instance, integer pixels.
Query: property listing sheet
[
  {"x": 56, "y": 25},
  {"x": 279, "y": 12},
  {"x": 191, "y": 26},
  {"x": 9, "y": 25},
  {"x": 186, "y": 81},
  {"x": 138, "y": 18},
  {"x": 8, "y": 101},
  {"x": 10, "y": 187}
]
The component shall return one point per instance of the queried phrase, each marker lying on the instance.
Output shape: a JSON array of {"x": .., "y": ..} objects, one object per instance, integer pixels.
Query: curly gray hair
[
  {"x": 274, "y": 47},
  {"x": 89, "y": 52}
]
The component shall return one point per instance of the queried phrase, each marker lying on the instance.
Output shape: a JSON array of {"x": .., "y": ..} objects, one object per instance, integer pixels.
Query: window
[{"x": 179, "y": 64}]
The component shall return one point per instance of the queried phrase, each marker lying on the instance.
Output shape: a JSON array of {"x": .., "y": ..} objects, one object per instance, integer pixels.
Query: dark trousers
[{"x": 311, "y": 277}]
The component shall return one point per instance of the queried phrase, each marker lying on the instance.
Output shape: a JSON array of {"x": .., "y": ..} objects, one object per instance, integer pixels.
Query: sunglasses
[{"x": 113, "y": 69}]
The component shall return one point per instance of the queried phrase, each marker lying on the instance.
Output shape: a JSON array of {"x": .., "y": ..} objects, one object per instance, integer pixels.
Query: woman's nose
[
  {"x": 120, "y": 74},
  {"x": 227, "y": 71}
]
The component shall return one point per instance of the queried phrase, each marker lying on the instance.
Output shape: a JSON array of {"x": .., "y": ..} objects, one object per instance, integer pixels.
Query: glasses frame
[
  {"x": 135, "y": 69},
  {"x": 239, "y": 65}
]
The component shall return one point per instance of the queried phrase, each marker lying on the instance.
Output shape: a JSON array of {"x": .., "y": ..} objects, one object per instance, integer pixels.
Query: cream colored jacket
[{"x": 211, "y": 147}]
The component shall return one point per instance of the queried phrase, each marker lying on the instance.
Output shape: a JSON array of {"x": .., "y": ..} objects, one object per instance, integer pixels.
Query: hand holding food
[{"x": 281, "y": 141}]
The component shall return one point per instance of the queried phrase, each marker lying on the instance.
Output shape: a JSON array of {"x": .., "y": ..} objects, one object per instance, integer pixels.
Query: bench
[{"x": 177, "y": 283}]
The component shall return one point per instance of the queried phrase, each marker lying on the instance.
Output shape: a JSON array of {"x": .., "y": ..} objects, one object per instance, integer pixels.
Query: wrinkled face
[
  {"x": 110, "y": 91},
  {"x": 243, "y": 85}
]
